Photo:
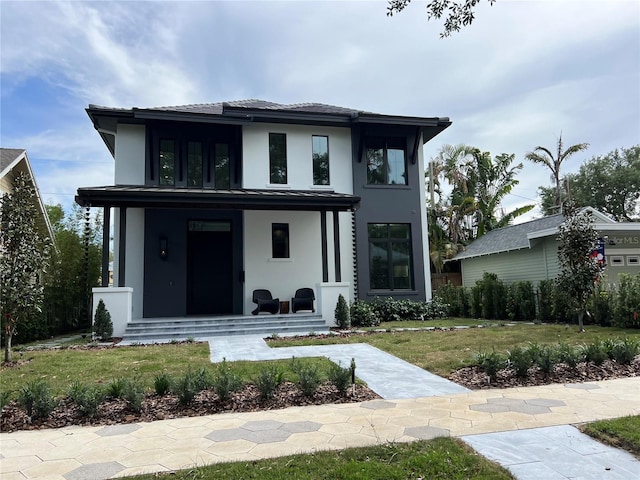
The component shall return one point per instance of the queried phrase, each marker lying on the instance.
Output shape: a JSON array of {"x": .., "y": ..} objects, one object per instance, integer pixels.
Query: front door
[{"x": 209, "y": 267}]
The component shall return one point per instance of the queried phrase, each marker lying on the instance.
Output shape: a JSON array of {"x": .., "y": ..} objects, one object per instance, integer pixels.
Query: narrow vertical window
[
  {"x": 278, "y": 158},
  {"x": 221, "y": 166},
  {"x": 194, "y": 164},
  {"x": 280, "y": 240},
  {"x": 320, "y": 146},
  {"x": 167, "y": 162},
  {"x": 390, "y": 259}
]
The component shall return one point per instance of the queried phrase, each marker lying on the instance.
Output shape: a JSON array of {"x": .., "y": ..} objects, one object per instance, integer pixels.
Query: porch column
[
  {"x": 323, "y": 234},
  {"x": 106, "y": 219},
  {"x": 336, "y": 245},
  {"x": 122, "y": 246}
]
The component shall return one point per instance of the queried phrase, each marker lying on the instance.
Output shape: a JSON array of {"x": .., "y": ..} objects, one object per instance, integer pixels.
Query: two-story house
[{"x": 214, "y": 201}]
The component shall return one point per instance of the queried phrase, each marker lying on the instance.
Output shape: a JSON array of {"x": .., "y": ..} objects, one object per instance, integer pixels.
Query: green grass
[
  {"x": 440, "y": 323},
  {"x": 60, "y": 368},
  {"x": 442, "y": 458},
  {"x": 619, "y": 432},
  {"x": 442, "y": 352}
]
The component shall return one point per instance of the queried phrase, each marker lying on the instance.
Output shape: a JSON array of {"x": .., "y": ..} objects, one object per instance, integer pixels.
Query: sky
[{"x": 522, "y": 74}]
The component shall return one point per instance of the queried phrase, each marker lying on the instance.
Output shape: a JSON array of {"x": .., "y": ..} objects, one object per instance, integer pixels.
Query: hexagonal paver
[
  {"x": 267, "y": 436},
  {"x": 529, "y": 406},
  {"x": 426, "y": 433},
  {"x": 300, "y": 427},
  {"x": 261, "y": 425},
  {"x": 582, "y": 386},
  {"x": 94, "y": 471},
  {"x": 378, "y": 404},
  {"x": 112, "y": 430},
  {"x": 226, "y": 435}
]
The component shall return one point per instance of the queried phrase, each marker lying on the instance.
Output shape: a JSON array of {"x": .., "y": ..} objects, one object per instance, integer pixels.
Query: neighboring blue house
[{"x": 214, "y": 201}]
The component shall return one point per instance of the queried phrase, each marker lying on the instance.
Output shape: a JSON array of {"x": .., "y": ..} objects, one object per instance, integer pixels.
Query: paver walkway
[{"x": 524, "y": 429}]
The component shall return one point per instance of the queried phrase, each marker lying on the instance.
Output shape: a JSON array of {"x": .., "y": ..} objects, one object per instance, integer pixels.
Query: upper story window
[
  {"x": 278, "y": 158},
  {"x": 221, "y": 166},
  {"x": 386, "y": 161},
  {"x": 320, "y": 150},
  {"x": 167, "y": 162},
  {"x": 194, "y": 164}
]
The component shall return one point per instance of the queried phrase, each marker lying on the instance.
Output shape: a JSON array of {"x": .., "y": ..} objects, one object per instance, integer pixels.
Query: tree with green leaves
[
  {"x": 457, "y": 13},
  {"x": 579, "y": 273},
  {"x": 553, "y": 161},
  {"x": 69, "y": 280},
  {"x": 609, "y": 183},
  {"x": 23, "y": 259}
]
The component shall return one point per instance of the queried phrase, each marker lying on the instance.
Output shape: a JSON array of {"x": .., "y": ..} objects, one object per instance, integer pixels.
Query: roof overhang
[{"x": 239, "y": 199}]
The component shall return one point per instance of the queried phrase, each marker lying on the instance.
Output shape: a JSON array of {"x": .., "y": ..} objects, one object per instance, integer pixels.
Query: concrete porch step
[{"x": 149, "y": 329}]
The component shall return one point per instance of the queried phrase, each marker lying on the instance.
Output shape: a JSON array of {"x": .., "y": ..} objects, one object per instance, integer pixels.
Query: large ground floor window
[{"x": 390, "y": 260}]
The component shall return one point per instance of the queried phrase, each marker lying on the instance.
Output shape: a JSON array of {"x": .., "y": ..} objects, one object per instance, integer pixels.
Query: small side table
[{"x": 284, "y": 307}]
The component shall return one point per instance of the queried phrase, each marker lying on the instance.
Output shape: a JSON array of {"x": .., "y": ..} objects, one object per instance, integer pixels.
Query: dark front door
[{"x": 209, "y": 268}]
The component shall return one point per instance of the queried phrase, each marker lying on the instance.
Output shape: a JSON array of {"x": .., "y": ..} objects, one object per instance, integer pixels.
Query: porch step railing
[{"x": 164, "y": 329}]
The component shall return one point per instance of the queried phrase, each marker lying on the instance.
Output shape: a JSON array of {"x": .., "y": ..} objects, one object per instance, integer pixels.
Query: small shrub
[
  {"x": 435, "y": 309},
  {"x": 544, "y": 357},
  {"x": 624, "y": 351},
  {"x": 627, "y": 304},
  {"x": 454, "y": 299},
  {"x": 268, "y": 380},
  {"x": 342, "y": 314},
  {"x": 202, "y": 379},
  {"x": 569, "y": 355},
  {"x": 309, "y": 378},
  {"x": 36, "y": 398},
  {"x": 363, "y": 314},
  {"x": 86, "y": 397},
  {"x": 521, "y": 303},
  {"x": 115, "y": 389},
  {"x": 102, "y": 324},
  {"x": 520, "y": 360},
  {"x": 600, "y": 305},
  {"x": 225, "y": 381},
  {"x": 5, "y": 396},
  {"x": 545, "y": 300},
  {"x": 162, "y": 383},
  {"x": 490, "y": 363},
  {"x": 133, "y": 393},
  {"x": 185, "y": 388},
  {"x": 595, "y": 352},
  {"x": 340, "y": 377}
]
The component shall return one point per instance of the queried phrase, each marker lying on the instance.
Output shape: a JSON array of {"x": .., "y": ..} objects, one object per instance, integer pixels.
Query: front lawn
[
  {"x": 618, "y": 432},
  {"x": 442, "y": 458},
  {"x": 442, "y": 352}
]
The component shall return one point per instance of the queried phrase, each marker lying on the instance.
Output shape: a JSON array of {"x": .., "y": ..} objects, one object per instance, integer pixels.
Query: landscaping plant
[
  {"x": 225, "y": 381},
  {"x": 342, "y": 314},
  {"x": 86, "y": 397},
  {"x": 102, "y": 324},
  {"x": 36, "y": 398},
  {"x": 268, "y": 380}
]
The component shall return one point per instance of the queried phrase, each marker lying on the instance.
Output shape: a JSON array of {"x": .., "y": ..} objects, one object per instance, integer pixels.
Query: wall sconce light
[{"x": 164, "y": 248}]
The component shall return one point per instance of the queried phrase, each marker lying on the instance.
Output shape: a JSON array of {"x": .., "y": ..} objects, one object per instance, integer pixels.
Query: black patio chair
[
  {"x": 265, "y": 302},
  {"x": 303, "y": 300}
]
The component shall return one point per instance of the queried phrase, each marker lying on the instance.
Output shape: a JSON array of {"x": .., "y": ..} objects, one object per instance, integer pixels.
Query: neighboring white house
[
  {"x": 14, "y": 161},
  {"x": 214, "y": 201},
  {"x": 529, "y": 251}
]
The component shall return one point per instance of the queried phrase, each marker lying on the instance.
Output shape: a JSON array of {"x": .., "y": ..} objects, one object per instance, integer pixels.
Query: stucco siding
[
  {"x": 255, "y": 154},
  {"x": 304, "y": 267},
  {"x": 130, "y": 155}
]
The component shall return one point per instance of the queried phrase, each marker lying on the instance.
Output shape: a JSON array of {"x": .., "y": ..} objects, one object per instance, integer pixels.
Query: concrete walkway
[{"x": 524, "y": 429}]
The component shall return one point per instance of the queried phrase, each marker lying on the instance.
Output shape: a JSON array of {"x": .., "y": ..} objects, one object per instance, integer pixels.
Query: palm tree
[{"x": 553, "y": 163}]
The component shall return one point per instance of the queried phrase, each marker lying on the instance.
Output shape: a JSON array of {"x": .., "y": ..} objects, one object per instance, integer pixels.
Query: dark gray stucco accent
[
  {"x": 165, "y": 281},
  {"x": 388, "y": 204}
]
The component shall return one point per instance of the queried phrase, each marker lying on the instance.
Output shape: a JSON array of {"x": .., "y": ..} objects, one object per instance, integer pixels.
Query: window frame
[
  {"x": 276, "y": 242},
  {"x": 387, "y": 243},
  {"x": 385, "y": 144},
  {"x": 273, "y": 174},
  {"x": 315, "y": 167}
]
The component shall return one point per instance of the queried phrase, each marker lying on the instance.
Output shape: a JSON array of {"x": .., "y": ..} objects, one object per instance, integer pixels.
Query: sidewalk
[{"x": 524, "y": 429}]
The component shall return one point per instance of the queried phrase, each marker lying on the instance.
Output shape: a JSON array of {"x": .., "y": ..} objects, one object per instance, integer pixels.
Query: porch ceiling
[{"x": 239, "y": 199}]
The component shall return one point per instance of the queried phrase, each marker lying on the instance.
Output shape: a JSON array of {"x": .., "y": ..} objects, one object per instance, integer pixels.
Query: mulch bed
[
  {"x": 474, "y": 378},
  {"x": 155, "y": 407}
]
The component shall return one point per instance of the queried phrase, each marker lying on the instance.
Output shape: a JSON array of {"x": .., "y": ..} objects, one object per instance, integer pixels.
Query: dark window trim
[
  {"x": 386, "y": 140},
  {"x": 388, "y": 240},
  {"x": 272, "y": 135},
  {"x": 276, "y": 246},
  {"x": 328, "y": 162}
]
